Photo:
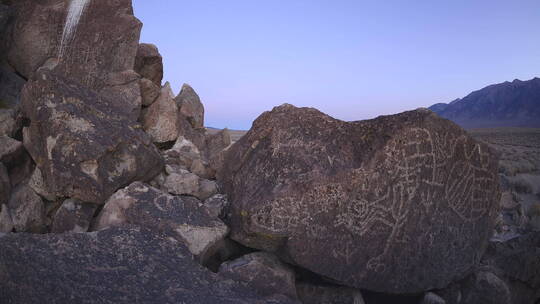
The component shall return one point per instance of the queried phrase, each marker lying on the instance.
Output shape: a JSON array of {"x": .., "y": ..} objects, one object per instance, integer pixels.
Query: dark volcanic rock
[
  {"x": 84, "y": 148},
  {"x": 149, "y": 63},
  {"x": 161, "y": 119},
  {"x": 117, "y": 265},
  {"x": 398, "y": 204},
  {"x": 185, "y": 217}
]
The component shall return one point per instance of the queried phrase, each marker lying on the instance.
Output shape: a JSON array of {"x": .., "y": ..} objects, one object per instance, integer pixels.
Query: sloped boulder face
[
  {"x": 190, "y": 106},
  {"x": 398, "y": 204},
  {"x": 95, "y": 51},
  {"x": 161, "y": 120},
  {"x": 84, "y": 147},
  {"x": 184, "y": 217},
  {"x": 117, "y": 265}
]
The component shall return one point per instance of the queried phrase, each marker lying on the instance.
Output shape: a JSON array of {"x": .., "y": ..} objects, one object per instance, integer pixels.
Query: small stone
[
  {"x": 27, "y": 210},
  {"x": 432, "y": 298},
  {"x": 207, "y": 188},
  {"x": 183, "y": 183},
  {"x": 37, "y": 183},
  {"x": 8, "y": 122},
  {"x": 73, "y": 216},
  {"x": 217, "y": 206}
]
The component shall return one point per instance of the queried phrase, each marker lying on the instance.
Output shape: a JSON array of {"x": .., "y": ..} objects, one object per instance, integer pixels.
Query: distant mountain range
[{"x": 507, "y": 104}]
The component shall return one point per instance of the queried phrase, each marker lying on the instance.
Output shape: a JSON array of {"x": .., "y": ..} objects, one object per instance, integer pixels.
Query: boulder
[
  {"x": 326, "y": 294},
  {"x": 116, "y": 265},
  {"x": 145, "y": 206},
  {"x": 73, "y": 216},
  {"x": 207, "y": 188},
  {"x": 160, "y": 120},
  {"x": 398, "y": 204},
  {"x": 149, "y": 63},
  {"x": 27, "y": 210},
  {"x": 85, "y": 148},
  {"x": 190, "y": 106},
  {"x": 103, "y": 41},
  {"x": 149, "y": 91},
  {"x": 263, "y": 272}
]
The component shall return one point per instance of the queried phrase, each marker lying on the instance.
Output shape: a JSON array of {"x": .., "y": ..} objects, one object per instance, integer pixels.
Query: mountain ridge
[{"x": 506, "y": 104}]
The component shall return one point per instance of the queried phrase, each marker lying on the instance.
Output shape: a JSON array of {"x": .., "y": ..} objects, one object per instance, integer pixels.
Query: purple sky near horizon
[{"x": 350, "y": 59}]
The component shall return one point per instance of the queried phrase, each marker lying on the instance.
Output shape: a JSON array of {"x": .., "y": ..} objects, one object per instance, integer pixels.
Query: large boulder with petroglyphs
[
  {"x": 399, "y": 204},
  {"x": 83, "y": 145},
  {"x": 93, "y": 43}
]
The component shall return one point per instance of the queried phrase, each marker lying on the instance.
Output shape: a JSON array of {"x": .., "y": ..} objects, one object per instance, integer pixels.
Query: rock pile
[{"x": 112, "y": 191}]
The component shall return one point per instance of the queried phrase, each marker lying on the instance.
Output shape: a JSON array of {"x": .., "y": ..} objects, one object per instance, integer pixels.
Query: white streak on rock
[{"x": 75, "y": 11}]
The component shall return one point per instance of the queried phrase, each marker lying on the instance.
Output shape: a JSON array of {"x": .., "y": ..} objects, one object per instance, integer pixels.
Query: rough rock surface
[
  {"x": 84, "y": 147},
  {"x": 37, "y": 184},
  {"x": 398, "y": 204},
  {"x": 6, "y": 224},
  {"x": 149, "y": 91},
  {"x": 117, "y": 265},
  {"x": 10, "y": 149},
  {"x": 432, "y": 298},
  {"x": 27, "y": 210},
  {"x": 149, "y": 63},
  {"x": 262, "y": 271},
  {"x": 105, "y": 40},
  {"x": 160, "y": 120},
  {"x": 5, "y": 185},
  {"x": 322, "y": 294},
  {"x": 73, "y": 216},
  {"x": 143, "y": 205},
  {"x": 10, "y": 88},
  {"x": 190, "y": 106},
  {"x": 8, "y": 122}
]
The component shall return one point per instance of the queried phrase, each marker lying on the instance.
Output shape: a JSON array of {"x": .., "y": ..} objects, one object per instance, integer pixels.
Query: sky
[{"x": 351, "y": 59}]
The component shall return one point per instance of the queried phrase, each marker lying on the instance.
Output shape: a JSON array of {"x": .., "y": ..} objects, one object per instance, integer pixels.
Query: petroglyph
[{"x": 359, "y": 209}]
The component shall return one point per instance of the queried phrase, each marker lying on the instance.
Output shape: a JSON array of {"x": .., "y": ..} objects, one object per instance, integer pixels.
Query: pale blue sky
[{"x": 351, "y": 59}]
